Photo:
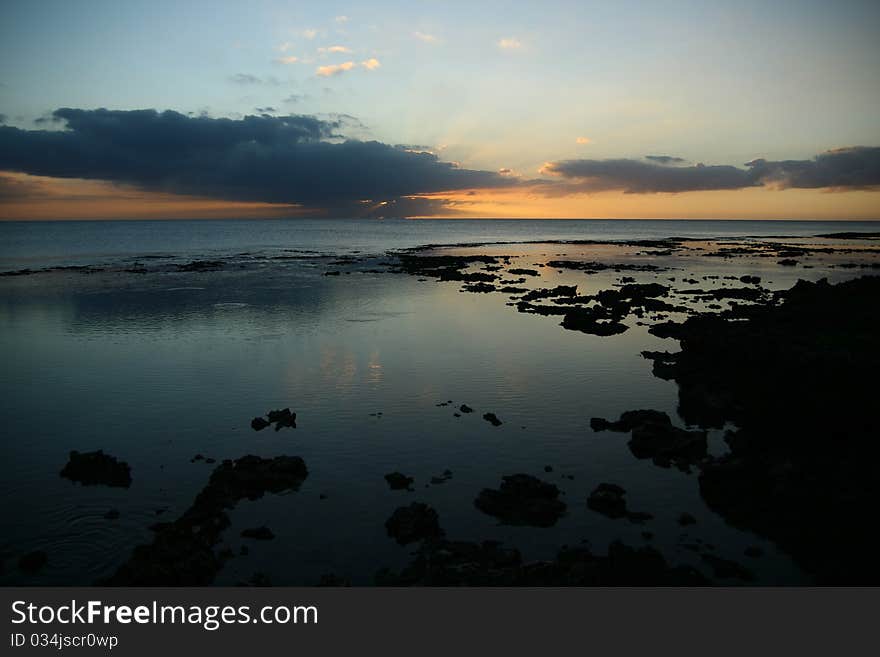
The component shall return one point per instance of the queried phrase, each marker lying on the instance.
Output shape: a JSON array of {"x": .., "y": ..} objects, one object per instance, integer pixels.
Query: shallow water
[{"x": 154, "y": 368}]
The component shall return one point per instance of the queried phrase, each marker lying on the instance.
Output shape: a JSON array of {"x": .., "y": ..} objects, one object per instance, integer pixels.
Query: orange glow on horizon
[{"x": 29, "y": 197}]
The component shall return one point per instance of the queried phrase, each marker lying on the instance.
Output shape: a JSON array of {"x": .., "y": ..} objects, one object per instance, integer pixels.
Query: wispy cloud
[
  {"x": 425, "y": 37},
  {"x": 341, "y": 19},
  {"x": 333, "y": 69},
  {"x": 248, "y": 79},
  {"x": 583, "y": 140},
  {"x": 371, "y": 64},
  {"x": 509, "y": 43},
  {"x": 310, "y": 33},
  {"x": 289, "y": 59},
  {"x": 332, "y": 49}
]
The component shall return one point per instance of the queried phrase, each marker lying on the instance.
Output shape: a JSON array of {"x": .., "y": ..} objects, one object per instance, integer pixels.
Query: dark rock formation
[
  {"x": 799, "y": 380},
  {"x": 412, "y": 523},
  {"x": 399, "y": 481},
  {"x": 90, "y": 468},
  {"x": 492, "y": 419},
  {"x": 522, "y": 500},
  {"x": 182, "y": 552}
]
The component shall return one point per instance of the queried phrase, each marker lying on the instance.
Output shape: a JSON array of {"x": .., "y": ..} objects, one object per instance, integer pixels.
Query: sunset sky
[{"x": 438, "y": 108}]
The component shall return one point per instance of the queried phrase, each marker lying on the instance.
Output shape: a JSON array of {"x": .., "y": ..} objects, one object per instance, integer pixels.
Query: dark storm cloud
[
  {"x": 279, "y": 159},
  {"x": 856, "y": 167},
  {"x": 640, "y": 177},
  {"x": 665, "y": 159}
]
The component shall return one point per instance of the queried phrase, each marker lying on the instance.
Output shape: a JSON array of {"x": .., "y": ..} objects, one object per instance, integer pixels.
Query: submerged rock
[
  {"x": 464, "y": 408},
  {"x": 412, "y": 523},
  {"x": 589, "y": 320},
  {"x": 91, "y": 468},
  {"x": 522, "y": 500}
]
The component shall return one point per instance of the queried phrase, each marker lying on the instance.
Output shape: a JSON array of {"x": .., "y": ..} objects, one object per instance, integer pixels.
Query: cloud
[
  {"x": 427, "y": 38},
  {"x": 509, "y": 43},
  {"x": 333, "y": 69},
  {"x": 290, "y": 59},
  {"x": 2, "y": 119},
  {"x": 341, "y": 19},
  {"x": 294, "y": 98},
  {"x": 333, "y": 49},
  {"x": 310, "y": 33},
  {"x": 582, "y": 140},
  {"x": 855, "y": 167},
  {"x": 371, "y": 64},
  {"x": 245, "y": 78},
  {"x": 665, "y": 159},
  {"x": 293, "y": 159},
  {"x": 265, "y": 110}
]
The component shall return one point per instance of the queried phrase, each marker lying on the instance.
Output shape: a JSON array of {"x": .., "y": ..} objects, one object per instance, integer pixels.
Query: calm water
[
  {"x": 30, "y": 244},
  {"x": 154, "y": 368}
]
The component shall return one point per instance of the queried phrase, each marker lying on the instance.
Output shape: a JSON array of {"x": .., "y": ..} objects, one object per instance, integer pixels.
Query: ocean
[{"x": 155, "y": 362}]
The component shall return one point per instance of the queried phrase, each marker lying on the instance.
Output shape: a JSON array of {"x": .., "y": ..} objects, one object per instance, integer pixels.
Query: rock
[
  {"x": 523, "y": 272},
  {"x": 754, "y": 280},
  {"x": 201, "y": 265},
  {"x": 282, "y": 418},
  {"x": 492, "y": 419},
  {"x": 399, "y": 481},
  {"x": 588, "y": 320},
  {"x": 608, "y": 499},
  {"x": 258, "y": 424},
  {"x": 182, "y": 552},
  {"x": 112, "y": 514},
  {"x": 92, "y": 468},
  {"x": 548, "y": 468},
  {"x": 461, "y": 563},
  {"x": 798, "y": 379},
  {"x": 32, "y": 562},
  {"x": 522, "y": 500},
  {"x": 726, "y": 569},
  {"x": 787, "y": 262},
  {"x": 412, "y": 523},
  {"x": 258, "y": 533},
  {"x": 655, "y": 437},
  {"x": 686, "y": 519},
  {"x": 754, "y": 552}
]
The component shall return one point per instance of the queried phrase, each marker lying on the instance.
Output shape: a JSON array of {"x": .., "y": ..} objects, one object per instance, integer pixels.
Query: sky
[{"x": 435, "y": 108}]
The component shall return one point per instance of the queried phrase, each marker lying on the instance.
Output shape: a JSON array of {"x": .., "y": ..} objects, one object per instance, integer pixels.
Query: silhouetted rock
[
  {"x": 608, "y": 499},
  {"x": 412, "y": 523},
  {"x": 258, "y": 533},
  {"x": 798, "y": 379},
  {"x": 461, "y": 563},
  {"x": 32, "y": 562},
  {"x": 90, "y": 468},
  {"x": 655, "y": 437},
  {"x": 259, "y": 423},
  {"x": 726, "y": 569},
  {"x": 112, "y": 514},
  {"x": 464, "y": 408},
  {"x": 182, "y": 552},
  {"x": 492, "y": 419},
  {"x": 399, "y": 481},
  {"x": 522, "y": 500},
  {"x": 686, "y": 519}
]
